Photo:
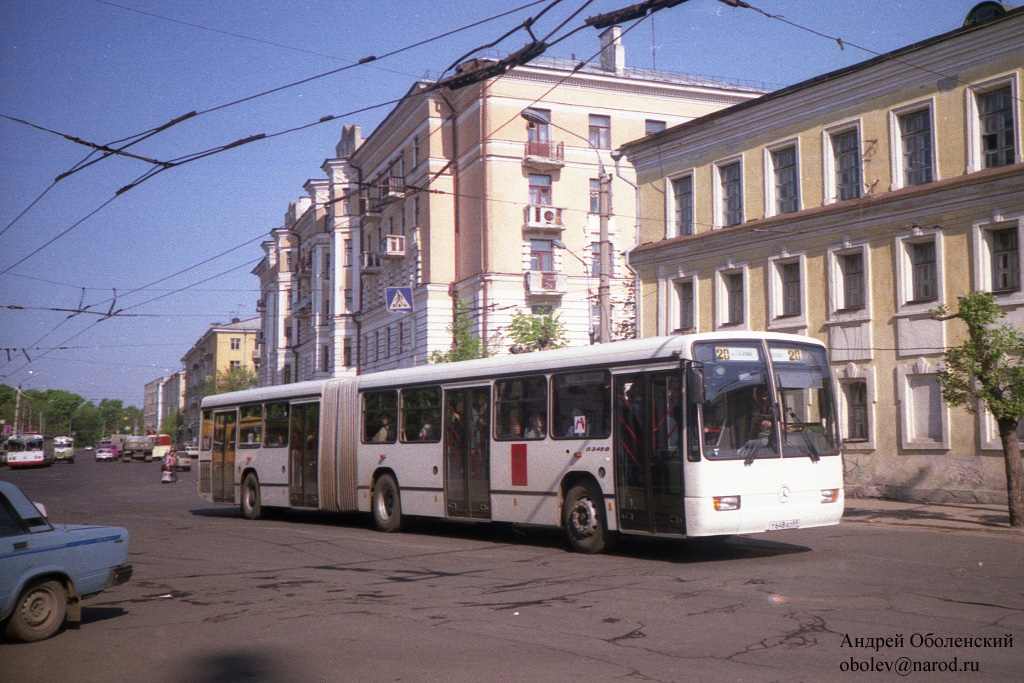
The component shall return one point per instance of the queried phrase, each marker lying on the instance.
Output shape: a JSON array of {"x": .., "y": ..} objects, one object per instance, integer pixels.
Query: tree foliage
[
  {"x": 987, "y": 373},
  {"x": 62, "y": 413},
  {"x": 466, "y": 345},
  {"x": 536, "y": 332},
  {"x": 172, "y": 423},
  {"x": 231, "y": 379}
]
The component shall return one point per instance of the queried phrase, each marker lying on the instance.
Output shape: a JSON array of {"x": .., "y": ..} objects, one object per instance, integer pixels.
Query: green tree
[
  {"x": 112, "y": 411},
  {"x": 134, "y": 421},
  {"x": 536, "y": 332},
  {"x": 465, "y": 344},
  {"x": 231, "y": 379},
  {"x": 172, "y": 423},
  {"x": 87, "y": 423},
  {"x": 987, "y": 372}
]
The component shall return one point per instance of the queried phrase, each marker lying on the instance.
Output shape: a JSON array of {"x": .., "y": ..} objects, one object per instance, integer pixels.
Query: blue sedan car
[{"x": 46, "y": 570}]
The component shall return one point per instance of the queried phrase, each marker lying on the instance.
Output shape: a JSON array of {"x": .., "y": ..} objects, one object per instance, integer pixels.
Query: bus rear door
[{"x": 467, "y": 459}]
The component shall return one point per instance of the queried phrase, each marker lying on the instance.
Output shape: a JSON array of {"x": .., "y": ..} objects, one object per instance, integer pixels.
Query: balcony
[
  {"x": 543, "y": 218},
  {"x": 546, "y": 156},
  {"x": 393, "y": 246},
  {"x": 539, "y": 283},
  {"x": 369, "y": 207},
  {"x": 394, "y": 188},
  {"x": 372, "y": 262}
]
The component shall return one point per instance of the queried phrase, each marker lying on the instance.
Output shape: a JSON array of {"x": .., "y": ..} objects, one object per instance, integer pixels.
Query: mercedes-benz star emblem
[{"x": 783, "y": 494}]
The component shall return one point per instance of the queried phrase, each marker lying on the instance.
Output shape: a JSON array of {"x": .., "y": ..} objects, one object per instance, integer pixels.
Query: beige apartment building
[
  {"x": 455, "y": 194},
  {"x": 848, "y": 208},
  {"x": 222, "y": 347}
]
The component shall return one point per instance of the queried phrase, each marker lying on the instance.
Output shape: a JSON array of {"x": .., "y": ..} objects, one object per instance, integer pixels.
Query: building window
[
  {"x": 539, "y": 132},
  {"x": 684, "y": 295},
  {"x": 923, "y": 271},
  {"x": 682, "y": 192},
  {"x": 787, "y": 187},
  {"x": 415, "y": 151},
  {"x": 851, "y": 267},
  {"x": 995, "y": 116},
  {"x": 541, "y": 256},
  {"x": 326, "y": 359},
  {"x": 735, "y": 303},
  {"x": 236, "y": 343},
  {"x": 731, "y": 189},
  {"x": 348, "y": 252},
  {"x": 540, "y": 190},
  {"x": 651, "y": 127},
  {"x": 595, "y": 195},
  {"x": 235, "y": 364},
  {"x": 348, "y": 300},
  {"x": 600, "y": 131},
  {"x": 416, "y": 212},
  {"x": 347, "y": 351},
  {"x": 595, "y": 259},
  {"x": 1005, "y": 260},
  {"x": 856, "y": 395},
  {"x": 846, "y": 158},
  {"x": 916, "y": 140},
  {"x": 791, "y": 295}
]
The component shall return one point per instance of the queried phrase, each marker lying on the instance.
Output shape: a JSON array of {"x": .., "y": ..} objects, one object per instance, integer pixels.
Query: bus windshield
[{"x": 748, "y": 415}]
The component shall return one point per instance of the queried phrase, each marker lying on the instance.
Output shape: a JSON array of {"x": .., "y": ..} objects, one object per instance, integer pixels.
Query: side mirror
[{"x": 695, "y": 385}]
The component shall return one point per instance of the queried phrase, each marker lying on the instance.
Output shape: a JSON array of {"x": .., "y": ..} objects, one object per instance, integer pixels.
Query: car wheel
[
  {"x": 39, "y": 613},
  {"x": 251, "y": 506},
  {"x": 583, "y": 517},
  {"x": 386, "y": 505}
]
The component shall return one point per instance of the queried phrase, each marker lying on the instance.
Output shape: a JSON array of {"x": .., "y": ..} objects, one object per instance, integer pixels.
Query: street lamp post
[{"x": 604, "y": 210}]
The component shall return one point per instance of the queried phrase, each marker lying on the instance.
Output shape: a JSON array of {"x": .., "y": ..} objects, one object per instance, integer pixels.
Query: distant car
[
  {"x": 183, "y": 461},
  {"x": 46, "y": 570},
  {"x": 108, "y": 453}
]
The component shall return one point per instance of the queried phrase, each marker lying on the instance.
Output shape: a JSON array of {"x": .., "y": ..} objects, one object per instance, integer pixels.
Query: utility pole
[
  {"x": 17, "y": 413},
  {"x": 604, "y": 283}
]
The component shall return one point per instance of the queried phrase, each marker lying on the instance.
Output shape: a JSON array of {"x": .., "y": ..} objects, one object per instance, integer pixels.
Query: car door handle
[{"x": 23, "y": 545}]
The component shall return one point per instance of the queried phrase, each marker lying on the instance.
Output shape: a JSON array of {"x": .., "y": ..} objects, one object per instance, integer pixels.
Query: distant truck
[{"x": 137, "y": 448}]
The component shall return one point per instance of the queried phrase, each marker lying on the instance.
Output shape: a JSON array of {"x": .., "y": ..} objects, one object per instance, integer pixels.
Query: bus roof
[{"x": 623, "y": 352}]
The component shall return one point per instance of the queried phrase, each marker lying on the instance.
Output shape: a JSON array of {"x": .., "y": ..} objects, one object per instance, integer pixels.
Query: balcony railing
[
  {"x": 544, "y": 155},
  {"x": 393, "y": 246},
  {"x": 545, "y": 283}
]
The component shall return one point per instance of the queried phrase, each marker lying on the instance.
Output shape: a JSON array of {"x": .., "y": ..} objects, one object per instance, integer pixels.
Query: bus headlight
[
  {"x": 829, "y": 495},
  {"x": 723, "y": 503}
]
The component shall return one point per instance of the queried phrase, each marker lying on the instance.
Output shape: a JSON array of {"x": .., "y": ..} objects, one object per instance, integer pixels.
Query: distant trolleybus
[
  {"x": 27, "y": 451},
  {"x": 63, "y": 449},
  {"x": 689, "y": 435}
]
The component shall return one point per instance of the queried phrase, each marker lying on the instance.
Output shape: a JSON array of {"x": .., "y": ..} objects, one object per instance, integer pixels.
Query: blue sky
[{"x": 104, "y": 71}]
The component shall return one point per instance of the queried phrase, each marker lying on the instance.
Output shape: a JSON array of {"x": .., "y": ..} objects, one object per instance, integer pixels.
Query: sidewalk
[{"x": 951, "y": 516}]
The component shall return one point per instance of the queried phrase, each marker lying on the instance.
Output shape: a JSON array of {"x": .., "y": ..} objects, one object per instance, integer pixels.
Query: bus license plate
[{"x": 784, "y": 524}]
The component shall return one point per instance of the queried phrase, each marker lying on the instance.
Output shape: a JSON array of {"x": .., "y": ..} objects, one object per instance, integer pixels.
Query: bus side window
[
  {"x": 380, "y": 416},
  {"x": 250, "y": 427},
  {"x": 276, "y": 425},
  {"x": 421, "y": 415},
  {"x": 581, "y": 405},
  {"x": 521, "y": 406}
]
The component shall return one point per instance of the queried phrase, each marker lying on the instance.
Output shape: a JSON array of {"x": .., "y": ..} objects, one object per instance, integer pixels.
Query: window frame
[
  {"x": 897, "y": 156},
  {"x": 975, "y": 146},
  {"x": 838, "y": 312},
  {"x": 778, "y": 316},
  {"x": 982, "y": 253},
  {"x": 404, "y": 412},
  {"x": 771, "y": 185},
  {"x": 540, "y": 194},
  {"x": 672, "y": 226},
  {"x": 677, "y": 318},
  {"x": 906, "y": 303},
  {"x": 830, "y": 167},
  {"x": 539, "y": 253},
  {"x": 500, "y": 404},
  {"x": 845, "y": 376},
  {"x": 722, "y": 297},
  {"x": 718, "y": 192},
  {"x": 603, "y": 133}
]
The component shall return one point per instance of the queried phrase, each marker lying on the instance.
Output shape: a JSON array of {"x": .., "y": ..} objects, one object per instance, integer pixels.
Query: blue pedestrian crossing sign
[{"x": 399, "y": 299}]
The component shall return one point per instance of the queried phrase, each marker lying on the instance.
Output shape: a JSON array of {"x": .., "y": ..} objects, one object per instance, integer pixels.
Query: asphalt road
[{"x": 315, "y": 597}]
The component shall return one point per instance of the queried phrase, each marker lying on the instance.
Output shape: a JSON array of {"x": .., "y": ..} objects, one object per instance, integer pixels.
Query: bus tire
[
  {"x": 386, "y": 505},
  {"x": 584, "y": 521},
  {"x": 39, "y": 612},
  {"x": 252, "y": 508}
]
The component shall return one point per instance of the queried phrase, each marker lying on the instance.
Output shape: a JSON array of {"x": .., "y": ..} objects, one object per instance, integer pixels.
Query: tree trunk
[{"x": 1014, "y": 471}]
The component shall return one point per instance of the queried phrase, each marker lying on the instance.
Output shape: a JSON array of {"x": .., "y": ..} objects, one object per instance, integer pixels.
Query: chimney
[
  {"x": 613, "y": 52},
  {"x": 351, "y": 140}
]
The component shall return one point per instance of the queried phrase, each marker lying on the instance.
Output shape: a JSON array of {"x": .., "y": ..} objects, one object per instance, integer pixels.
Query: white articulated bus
[{"x": 689, "y": 435}]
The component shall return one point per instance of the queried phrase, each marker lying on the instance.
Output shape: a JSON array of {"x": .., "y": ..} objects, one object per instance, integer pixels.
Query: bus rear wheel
[
  {"x": 251, "y": 506},
  {"x": 386, "y": 505},
  {"x": 583, "y": 518}
]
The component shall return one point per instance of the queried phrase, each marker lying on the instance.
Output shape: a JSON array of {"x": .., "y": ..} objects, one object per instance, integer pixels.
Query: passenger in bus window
[
  {"x": 427, "y": 432},
  {"x": 536, "y": 428},
  {"x": 383, "y": 435},
  {"x": 513, "y": 431}
]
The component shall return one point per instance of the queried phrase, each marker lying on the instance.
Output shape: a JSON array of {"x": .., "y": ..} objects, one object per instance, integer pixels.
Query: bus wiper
[
  {"x": 815, "y": 456},
  {"x": 749, "y": 460}
]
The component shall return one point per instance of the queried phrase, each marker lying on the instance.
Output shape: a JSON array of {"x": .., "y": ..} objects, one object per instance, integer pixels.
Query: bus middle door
[
  {"x": 223, "y": 456},
  {"x": 467, "y": 458},
  {"x": 648, "y": 452}
]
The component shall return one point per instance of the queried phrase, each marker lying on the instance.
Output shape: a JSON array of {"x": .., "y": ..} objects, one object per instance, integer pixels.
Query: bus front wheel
[
  {"x": 583, "y": 517},
  {"x": 251, "y": 506},
  {"x": 387, "y": 504}
]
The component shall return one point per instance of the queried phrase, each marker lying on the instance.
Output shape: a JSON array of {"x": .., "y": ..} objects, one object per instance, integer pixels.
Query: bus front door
[
  {"x": 303, "y": 455},
  {"x": 648, "y": 452},
  {"x": 467, "y": 462},
  {"x": 223, "y": 457}
]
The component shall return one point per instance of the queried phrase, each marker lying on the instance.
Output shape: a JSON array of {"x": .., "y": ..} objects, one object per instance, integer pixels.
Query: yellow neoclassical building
[
  {"x": 848, "y": 208},
  {"x": 456, "y": 194}
]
